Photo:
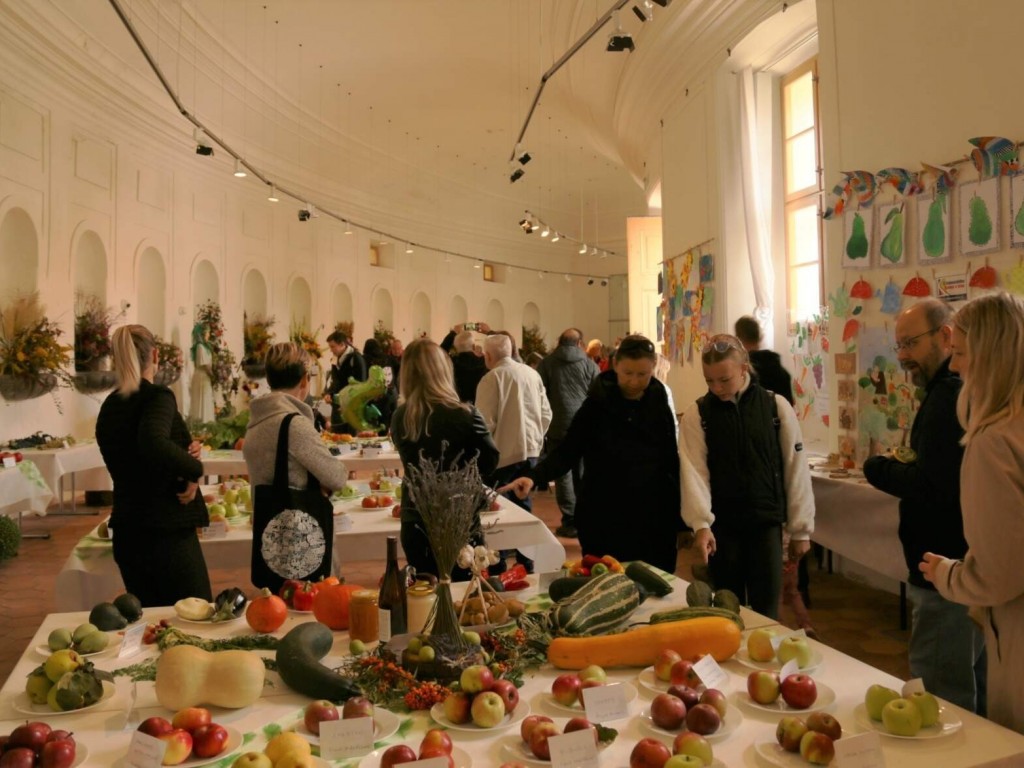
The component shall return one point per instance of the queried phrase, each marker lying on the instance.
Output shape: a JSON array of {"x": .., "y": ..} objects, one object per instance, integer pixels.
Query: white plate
[
  {"x": 232, "y": 745},
  {"x": 207, "y": 622},
  {"x": 649, "y": 681},
  {"x": 948, "y": 723},
  {"x": 517, "y": 716},
  {"x": 81, "y": 752},
  {"x": 773, "y": 752},
  {"x": 628, "y": 690},
  {"x": 22, "y": 703},
  {"x": 372, "y": 760},
  {"x": 44, "y": 650},
  {"x": 518, "y": 750},
  {"x": 731, "y": 721},
  {"x": 744, "y": 658},
  {"x": 826, "y": 697},
  {"x": 385, "y": 725}
]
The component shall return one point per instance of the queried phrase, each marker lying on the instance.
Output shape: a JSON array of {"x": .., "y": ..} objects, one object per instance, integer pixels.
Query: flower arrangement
[
  {"x": 533, "y": 341},
  {"x": 92, "y": 332},
  {"x": 30, "y": 348},
  {"x": 347, "y": 327},
  {"x": 209, "y": 332},
  {"x": 382, "y": 334},
  {"x": 257, "y": 337},
  {"x": 308, "y": 342},
  {"x": 170, "y": 361}
]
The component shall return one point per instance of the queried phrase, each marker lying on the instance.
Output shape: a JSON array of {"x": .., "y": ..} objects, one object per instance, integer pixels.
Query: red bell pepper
[
  {"x": 515, "y": 586},
  {"x": 516, "y": 573},
  {"x": 302, "y": 599},
  {"x": 288, "y": 590},
  {"x": 590, "y": 560}
]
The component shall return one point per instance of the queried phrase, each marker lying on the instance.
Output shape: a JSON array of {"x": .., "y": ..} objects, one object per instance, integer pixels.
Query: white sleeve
[
  {"x": 796, "y": 474},
  {"x": 672, "y": 410},
  {"x": 545, "y": 408},
  {"x": 693, "y": 472},
  {"x": 487, "y": 400}
]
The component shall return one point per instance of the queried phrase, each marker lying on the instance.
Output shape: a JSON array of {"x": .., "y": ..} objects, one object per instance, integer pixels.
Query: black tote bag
[{"x": 292, "y": 529}]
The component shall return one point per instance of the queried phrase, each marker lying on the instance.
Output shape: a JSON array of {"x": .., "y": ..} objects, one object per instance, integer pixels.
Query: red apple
[
  {"x": 209, "y": 740},
  {"x": 763, "y": 686},
  {"x": 664, "y": 662},
  {"x": 494, "y": 506},
  {"x": 476, "y": 678},
  {"x": 457, "y": 708},
  {"x": 508, "y": 692},
  {"x": 317, "y": 712},
  {"x": 566, "y": 689},
  {"x": 437, "y": 738},
  {"x": 799, "y": 691},
  {"x": 396, "y": 755},
  {"x": 580, "y": 724},
  {"x": 385, "y": 501},
  {"x": 155, "y": 726},
  {"x": 703, "y": 719},
  {"x": 58, "y": 735},
  {"x": 374, "y": 485},
  {"x": 191, "y": 718},
  {"x": 30, "y": 735},
  {"x": 690, "y": 743},
  {"x": 370, "y": 502},
  {"x": 528, "y": 724},
  {"x": 179, "y": 746},
  {"x": 396, "y": 511},
  {"x": 817, "y": 748},
  {"x": 668, "y": 711},
  {"x": 682, "y": 673},
  {"x": 690, "y": 696},
  {"x": 716, "y": 699},
  {"x": 18, "y": 757},
  {"x": 539, "y": 739},
  {"x": 789, "y": 731},
  {"x": 823, "y": 722},
  {"x": 57, "y": 754},
  {"x": 357, "y": 706},
  {"x": 649, "y": 753}
]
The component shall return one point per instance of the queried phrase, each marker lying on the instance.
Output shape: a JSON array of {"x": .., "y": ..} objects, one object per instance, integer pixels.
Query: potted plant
[
  {"x": 258, "y": 337},
  {"x": 169, "y": 362},
  {"x": 347, "y": 327},
  {"x": 32, "y": 359},
  {"x": 383, "y": 334},
  {"x": 92, "y": 345},
  {"x": 533, "y": 341}
]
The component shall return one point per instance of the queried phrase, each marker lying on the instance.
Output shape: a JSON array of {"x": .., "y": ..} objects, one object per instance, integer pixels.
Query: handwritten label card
[
  {"x": 9, "y": 462},
  {"x": 217, "y": 529},
  {"x": 605, "y": 703},
  {"x": 712, "y": 675},
  {"x": 344, "y": 739},
  {"x": 574, "y": 750},
  {"x": 145, "y": 751},
  {"x": 430, "y": 762},
  {"x": 913, "y": 686},
  {"x": 789, "y": 668},
  {"x": 861, "y": 751},
  {"x": 132, "y": 641}
]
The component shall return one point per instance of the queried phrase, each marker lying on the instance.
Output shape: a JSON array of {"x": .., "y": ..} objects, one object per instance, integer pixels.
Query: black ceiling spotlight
[
  {"x": 526, "y": 226},
  {"x": 663, "y": 3},
  {"x": 644, "y": 11},
  {"x": 522, "y": 155},
  {"x": 307, "y": 213},
  {"x": 590, "y": 281},
  {"x": 202, "y": 142},
  {"x": 619, "y": 40},
  {"x": 604, "y": 283},
  {"x": 517, "y": 174}
]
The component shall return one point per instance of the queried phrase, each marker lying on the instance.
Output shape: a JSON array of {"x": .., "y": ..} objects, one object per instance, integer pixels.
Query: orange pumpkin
[
  {"x": 266, "y": 612},
  {"x": 328, "y": 581},
  {"x": 330, "y": 606}
]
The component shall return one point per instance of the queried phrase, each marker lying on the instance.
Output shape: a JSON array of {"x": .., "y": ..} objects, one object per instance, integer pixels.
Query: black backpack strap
[
  {"x": 775, "y": 410},
  {"x": 281, "y": 460}
]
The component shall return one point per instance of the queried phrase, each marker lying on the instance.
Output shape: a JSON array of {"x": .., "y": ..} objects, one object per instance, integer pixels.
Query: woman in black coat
[
  {"x": 431, "y": 420},
  {"x": 156, "y": 470},
  {"x": 625, "y": 433}
]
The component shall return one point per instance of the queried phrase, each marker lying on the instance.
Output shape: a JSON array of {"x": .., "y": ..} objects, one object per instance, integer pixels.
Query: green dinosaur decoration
[
  {"x": 980, "y": 229},
  {"x": 354, "y": 401},
  {"x": 934, "y": 236},
  {"x": 892, "y": 243},
  {"x": 857, "y": 245}
]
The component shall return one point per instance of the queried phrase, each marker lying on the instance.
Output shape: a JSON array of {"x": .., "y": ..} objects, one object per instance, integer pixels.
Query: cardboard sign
[
  {"x": 574, "y": 750},
  {"x": 605, "y": 703},
  {"x": 789, "y": 668},
  {"x": 712, "y": 675},
  {"x": 344, "y": 739},
  {"x": 9, "y": 462},
  {"x": 217, "y": 529},
  {"x": 145, "y": 751}
]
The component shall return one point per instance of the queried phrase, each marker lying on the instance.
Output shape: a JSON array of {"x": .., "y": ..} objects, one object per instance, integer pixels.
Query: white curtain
[{"x": 754, "y": 172}]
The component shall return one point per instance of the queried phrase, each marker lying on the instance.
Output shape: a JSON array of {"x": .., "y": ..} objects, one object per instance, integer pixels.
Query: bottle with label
[{"x": 391, "y": 600}]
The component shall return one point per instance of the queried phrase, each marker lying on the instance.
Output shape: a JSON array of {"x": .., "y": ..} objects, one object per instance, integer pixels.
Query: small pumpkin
[
  {"x": 266, "y": 612},
  {"x": 331, "y": 604}
]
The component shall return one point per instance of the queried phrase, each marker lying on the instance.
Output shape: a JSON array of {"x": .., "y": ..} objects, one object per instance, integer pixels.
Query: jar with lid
[
  {"x": 420, "y": 598},
  {"x": 362, "y": 616}
]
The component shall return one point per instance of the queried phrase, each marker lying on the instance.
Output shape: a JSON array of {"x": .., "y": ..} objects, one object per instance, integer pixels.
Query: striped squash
[{"x": 599, "y": 607}]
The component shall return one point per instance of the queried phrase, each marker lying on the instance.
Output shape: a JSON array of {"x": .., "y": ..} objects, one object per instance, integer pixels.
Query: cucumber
[
  {"x": 681, "y": 614},
  {"x": 642, "y": 573}
]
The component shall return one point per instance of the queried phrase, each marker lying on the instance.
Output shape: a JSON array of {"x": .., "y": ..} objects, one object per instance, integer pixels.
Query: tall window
[{"x": 802, "y": 185}]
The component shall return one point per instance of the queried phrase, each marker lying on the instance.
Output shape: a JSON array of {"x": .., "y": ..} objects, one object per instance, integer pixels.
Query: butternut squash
[
  {"x": 690, "y": 638},
  {"x": 187, "y": 676}
]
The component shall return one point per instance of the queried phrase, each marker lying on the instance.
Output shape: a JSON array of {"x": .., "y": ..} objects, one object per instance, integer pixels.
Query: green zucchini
[
  {"x": 601, "y": 606},
  {"x": 298, "y": 662},
  {"x": 561, "y": 588},
  {"x": 642, "y": 573},
  {"x": 698, "y": 594},
  {"x": 681, "y": 614}
]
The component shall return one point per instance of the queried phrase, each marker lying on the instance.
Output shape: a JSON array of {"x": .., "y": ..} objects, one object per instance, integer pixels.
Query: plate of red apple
[
  {"x": 482, "y": 703},
  {"x": 192, "y": 738},
  {"x": 707, "y": 714},
  {"x": 436, "y": 743},
  {"x": 757, "y": 651},
  {"x": 37, "y": 745},
  {"x": 374, "y": 502},
  {"x": 385, "y": 723},
  {"x": 531, "y": 745},
  {"x": 567, "y": 689},
  {"x": 794, "y": 693},
  {"x": 688, "y": 751},
  {"x": 802, "y": 741}
]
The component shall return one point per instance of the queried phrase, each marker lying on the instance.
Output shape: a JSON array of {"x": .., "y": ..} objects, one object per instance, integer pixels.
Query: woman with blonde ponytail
[{"x": 156, "y": 469}]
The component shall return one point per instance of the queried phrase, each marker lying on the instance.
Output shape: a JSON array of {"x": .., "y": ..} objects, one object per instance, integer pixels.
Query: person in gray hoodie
[{"x": 567, "y": 374}]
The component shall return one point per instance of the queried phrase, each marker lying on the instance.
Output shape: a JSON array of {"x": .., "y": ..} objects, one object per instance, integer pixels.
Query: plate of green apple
[
  {"x": 905, "y": 718},
  {"x": 757, "y": 651}
]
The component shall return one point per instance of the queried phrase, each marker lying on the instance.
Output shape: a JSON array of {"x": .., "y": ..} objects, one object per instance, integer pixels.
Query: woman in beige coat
[{"x": 988, "y": 353}]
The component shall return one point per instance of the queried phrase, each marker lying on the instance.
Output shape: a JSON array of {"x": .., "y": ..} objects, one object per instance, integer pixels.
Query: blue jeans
[{"x": 947, "y": 649}]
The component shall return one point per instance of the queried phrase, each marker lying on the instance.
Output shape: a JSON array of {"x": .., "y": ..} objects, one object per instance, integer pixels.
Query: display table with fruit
[
  {"x": 81, "y": 461},
  {"x": 89, "y": 574},
  {"x": 23, "y": 489},
  {"x": 223, "y": 462},
  {"x": 250, "y": 708}
]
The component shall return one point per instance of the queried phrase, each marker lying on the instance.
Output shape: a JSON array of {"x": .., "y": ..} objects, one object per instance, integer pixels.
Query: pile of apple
[
  {"x": 812, "y": 738},
  {"x": 317, "y": 712},
  {"x": 376, "y": 501},
  {"x": 36, "y": 745},
  {"x": 689, "y": 750},
  {"x": 567, "y": 689},
  {"x": 701, "y": 711},
  {"x": 190, "y": 733},
  {"x": 436, "y": 743},
  {"x": 799, "y": 691},
  {"x": 535, "y": 731},
  {"x": 481, "y": 699},
  {"x": 234, "y": 498},
  {"x": 286, "y": 750},
  {"x": 759, "y": 648},
  {"x": 901, "y": 716}
]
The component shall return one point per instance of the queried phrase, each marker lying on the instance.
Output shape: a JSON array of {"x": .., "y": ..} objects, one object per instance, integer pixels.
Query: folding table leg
[{"x": 30, "y": 535}]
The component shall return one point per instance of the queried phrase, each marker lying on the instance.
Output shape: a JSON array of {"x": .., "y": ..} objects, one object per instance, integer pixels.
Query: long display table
[
  {"x": 223, "y": 462},
  {"x": 81, "y": 463}
]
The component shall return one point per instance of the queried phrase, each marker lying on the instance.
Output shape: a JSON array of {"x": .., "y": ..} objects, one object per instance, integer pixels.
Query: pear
[
  {"x": 857, "y": 245},
  {"x": 934, "y": 236},
  {"x": 980, "y": 229},
  {"x": 94, "y": 642},
  {"x": 83, "y": 630},
  {"x": 60, "y": 639},
  {"x": 60, "y": 663},
  {"x": 892, "y": 243}
]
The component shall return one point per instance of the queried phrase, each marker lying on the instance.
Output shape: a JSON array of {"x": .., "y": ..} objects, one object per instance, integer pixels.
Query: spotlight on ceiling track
[
  {"x": 408, "y": 247},
  {"x": 663, "y": 3},
  {"x": 593, "y": 251},
  {"x": 239, "y": 170},
  {"x": 544, "y": 232},
  {"x": 619, "y": 40},
  {"x": 348, "y": 228},
  {"x": 202, "y": 142},
  {"x": 583, "y": 249},
  {"x": 272, "y": 197},
  {"x": 522, "y": 155},
  {"x": 526, "y": 225},
  {"x": 604, "y": 283},
  {"x": 307, "y": 213},
  {"x": 517, "y": 174},
  {"x": 644, "y": 11},
  {"x": 590, "y": 281},
  {"x": 555, "y": 237}
]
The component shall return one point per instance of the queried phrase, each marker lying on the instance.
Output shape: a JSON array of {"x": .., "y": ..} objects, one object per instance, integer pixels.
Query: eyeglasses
[
  {"x": 909, "y": 344},
  {"x": 722, "y": 344},
  {"x": 632, "y": 343}
]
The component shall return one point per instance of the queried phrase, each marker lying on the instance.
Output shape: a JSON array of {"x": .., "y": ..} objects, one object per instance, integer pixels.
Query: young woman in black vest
[{"x": 744, "y": 478}]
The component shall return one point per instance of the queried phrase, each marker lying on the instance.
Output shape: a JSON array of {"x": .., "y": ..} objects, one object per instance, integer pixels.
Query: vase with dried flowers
[
  {"x": 347, "y": 327},
  {"x": 308, "y": 341},
  {"x": 92, "y": 344},
  {"x": 32, "y": 359},
  {"x": 257, "y": 338},
  {"x": 169, "y": 362},
  {"x": 383, "y": 334}
]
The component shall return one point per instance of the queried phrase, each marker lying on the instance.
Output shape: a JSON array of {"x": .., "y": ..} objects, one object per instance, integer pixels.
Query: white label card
[
  {"x": 343, "y": 739},
  {"x": 861, "y": 751},
  {"x": 145, "y": 751},
  {"x": 574, "y": 750},
  {"x": 131, "y": 643},
  {"x": 544, "y": 580},
  {"x": 789, "y": 668},
  {"x": 383, "y": 624},
  {"x": 217, "y": 529},
  {"x": 9, "y": 462},
  {"x": 913, "y": 686},
  {"x": 430, "y": 762},
  {"x": 605, "y": 703},
  {"x": 712, "y": 675}
]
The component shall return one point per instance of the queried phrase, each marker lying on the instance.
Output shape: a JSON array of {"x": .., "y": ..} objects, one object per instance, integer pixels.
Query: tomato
[{"x": 302, "y": 600}]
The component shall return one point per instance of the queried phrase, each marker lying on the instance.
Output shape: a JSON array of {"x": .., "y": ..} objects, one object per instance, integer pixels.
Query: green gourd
[
  {"x": 642, "y": 574},
  {"x": 298, "y": 662},
  {"x": 980, "y": 229},
  {"x": 934, "y": 236},
  {"x": 892, "y": 243},
  {"x": 857, "y": 245},
  {"x": 601, "y": 606}
]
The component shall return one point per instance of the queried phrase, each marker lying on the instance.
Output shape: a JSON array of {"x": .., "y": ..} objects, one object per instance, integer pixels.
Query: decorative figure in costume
[
  {"x": 201, "y": 404},
  {"x": 354, "y": 401}
]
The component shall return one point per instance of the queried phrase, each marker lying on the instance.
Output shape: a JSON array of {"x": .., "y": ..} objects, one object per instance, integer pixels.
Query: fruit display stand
[
  {"x": 221, "y": 462},
  {"x": 90, "y": 574},
  {"x": 106, "y": 729},
  {"x": 81, "y": 461}
]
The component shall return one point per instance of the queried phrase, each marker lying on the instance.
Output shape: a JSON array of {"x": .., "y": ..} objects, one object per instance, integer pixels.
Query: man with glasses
[{"x": 946, "y": 649}]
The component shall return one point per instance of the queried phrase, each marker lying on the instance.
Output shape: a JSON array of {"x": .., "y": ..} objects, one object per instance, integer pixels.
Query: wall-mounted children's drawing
[
  {"x": 892, "y": 298},
  {"x": 979, "y": 216},
  {"x": 1017, "y": 211},
  {"x": 847, "y": 417},
  {"x": 933, "y": 229},
  {"x": 886, "y": 402},
  {"x": 846, "y": 363},
  {"x": 858, "y": 230},
  {"x": 891, "y": 247},
  {"x": 847, "y": 391},
  {"x": 707, "y": 268},
  {"x": 1013, "y": 279}
]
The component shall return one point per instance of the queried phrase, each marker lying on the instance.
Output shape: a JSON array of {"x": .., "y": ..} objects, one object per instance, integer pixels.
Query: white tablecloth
[
  {"x": 90, "y": 574},
  {"x": 232, "y": 463},
  {"x": 82, "y": 461},
  {"x": 106, "y": 732},
  {"x": 23, "y": 489}
]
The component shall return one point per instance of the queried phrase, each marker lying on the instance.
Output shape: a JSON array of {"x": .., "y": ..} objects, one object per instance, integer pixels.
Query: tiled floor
[{"x": 861, "y": 622}]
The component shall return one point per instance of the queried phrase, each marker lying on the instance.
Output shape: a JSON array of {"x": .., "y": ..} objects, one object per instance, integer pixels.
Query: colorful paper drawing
[
  {"x": 685, "y": 269},
  {"x": 902, "y": 180},
  {"x": 847, "y": 390},
  {"x": 892, "y": 298},
  {"x": 847, "y": 418},
  {"x": 1017, "y": 211},
  {"x": 891, "y": 246},
  {"x": 689, "y": 300},
  {"x": 994, "y": 156},
  {"x": 706, "y": 307},
  {"x": 979, "y": 216},
  {"x": 933, "y": 230},
  {"x": 886, "y": 397},
  {"x": 858, "y": 231},
  {"x": 707, "y": 268},
  {"x": 951, "y": 288},
  {"x": 839, "y": 303},
  {"x": 1014, "y": 279},
  {"x": 846, "y": 363},
  {"x": 848, "y": 448},
  {"x": 941, "y": 177}
]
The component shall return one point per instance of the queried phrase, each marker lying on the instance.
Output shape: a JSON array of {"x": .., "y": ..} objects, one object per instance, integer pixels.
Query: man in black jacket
[
  {"x": 946, "y": 649},
  {"x": 767, "y": 365},
  {"x": 468, "y": 366},
  {"x": 347, "y": 363}
]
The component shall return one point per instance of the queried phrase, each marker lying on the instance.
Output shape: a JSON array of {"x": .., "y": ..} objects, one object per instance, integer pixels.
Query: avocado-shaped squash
[
  {"x": 187, "y": 676},
  {"x": 698, "y": 594},
  {"x": 298, "y": 662},
  {"x": 129, "y": 606},
  {"x": 726, "y": 598},
  {"x": 105, "y": 616}
]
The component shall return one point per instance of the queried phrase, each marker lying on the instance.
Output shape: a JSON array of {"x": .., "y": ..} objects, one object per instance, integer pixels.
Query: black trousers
[
  {"x": 748, "y": 561},
  {"x": 161, "y": 567}
]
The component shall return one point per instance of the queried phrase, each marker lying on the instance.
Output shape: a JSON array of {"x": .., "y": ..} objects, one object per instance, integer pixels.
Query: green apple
[
  {"x": 794, "y": 647},
  {"x": 901, "y": 717},
  {"x": 217, "y": 509},
  {"x": 759, "y": 645},
  {"x": 60, "y": 639},
  {"x": 245, "y": 496},
  {"x": 876, "y": 698},
  {"x": 230, "y": 496},
  {"x": 928, "y": 706},
  {"x": 693, "y": 745},
  {"x": 684, "y": 761},
  {"x": 593, "y": 672}
]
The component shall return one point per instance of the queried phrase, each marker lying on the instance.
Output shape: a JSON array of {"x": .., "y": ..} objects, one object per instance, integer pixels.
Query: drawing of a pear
[
  {"x": 934, "y": 236},
  {"x": 892, "y": 243},
  {"x": 1018, "y": 222},
  {"x": 980, "y": 229},
  {"x": 857, "y": 245}
]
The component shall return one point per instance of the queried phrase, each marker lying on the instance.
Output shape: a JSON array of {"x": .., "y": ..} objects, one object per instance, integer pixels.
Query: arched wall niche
[
  {"x": 458, "y": 312},
  {"x": 151, "y": 291},
  {"x": 90, "y": 267},
  {"x": 383, "y": 309},
  {"x": 419, "y": 311},
  {"x": 19, "y": 254},
  {"x": 205, "y": 282},
  {"x": 341, "y": 305},
  {"x": 531, "y": 315},
  {"x": 494, "y": 315},
  {"x": 300, "y": 304},
  {"x": 254, "y": 294}
]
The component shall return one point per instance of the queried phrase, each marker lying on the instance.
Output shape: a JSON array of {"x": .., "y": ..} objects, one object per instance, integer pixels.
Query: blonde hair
[
  {"x": 993, "y": 388},
  {"x": 426, "y": 382},
  {"x": 132, "y": 347},
  {"x": 286, "y": 363},
  {"x": 724, "y": 346}
]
